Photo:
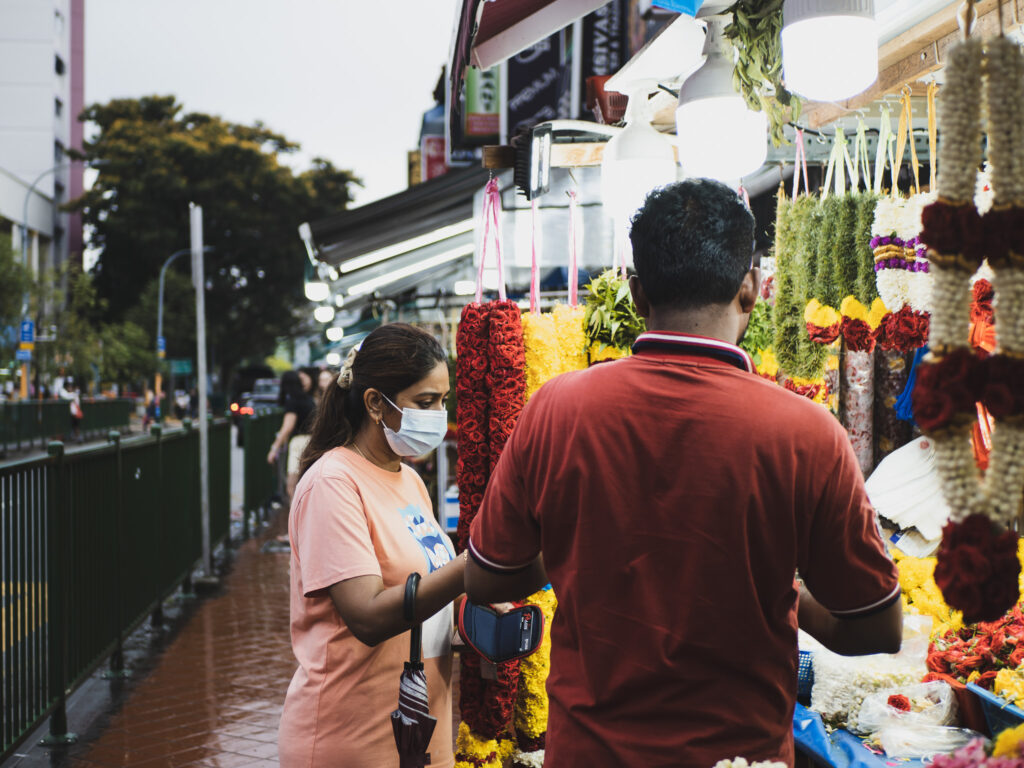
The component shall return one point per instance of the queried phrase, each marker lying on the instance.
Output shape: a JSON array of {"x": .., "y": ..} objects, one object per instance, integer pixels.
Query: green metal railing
[
  {"x": 92, "y": 541},
  {"x": 260, "y": 479},
  {"x": 25, "y": 423}
]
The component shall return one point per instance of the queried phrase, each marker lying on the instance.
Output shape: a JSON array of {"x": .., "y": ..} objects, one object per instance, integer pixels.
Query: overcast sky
[{"x": 346, "y": 79}]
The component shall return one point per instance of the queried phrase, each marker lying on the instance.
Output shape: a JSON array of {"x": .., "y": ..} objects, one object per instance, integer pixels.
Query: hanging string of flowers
[
  {"x": 490, "y": 385},
  {"x": 977, "y": 569}
]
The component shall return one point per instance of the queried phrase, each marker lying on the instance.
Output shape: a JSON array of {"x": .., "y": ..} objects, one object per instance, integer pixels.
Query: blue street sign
[
  {"x": 28, "y": 331},
  {"x": 161, "y": 344},
  {"x": 24, "y": 355}
]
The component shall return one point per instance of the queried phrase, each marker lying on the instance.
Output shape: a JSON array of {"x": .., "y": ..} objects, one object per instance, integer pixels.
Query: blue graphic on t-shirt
[{"x": 437, "y": 549}]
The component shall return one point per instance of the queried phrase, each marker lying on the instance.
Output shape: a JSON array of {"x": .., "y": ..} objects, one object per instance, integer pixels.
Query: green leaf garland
[{"x": 867, "y": 287}]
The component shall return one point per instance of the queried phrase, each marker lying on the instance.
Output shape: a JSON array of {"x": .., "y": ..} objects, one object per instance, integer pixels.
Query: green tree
[
  {"x": 125, "y": 353},
  {"x": 12, "y": 285},
  {"x": 154, "y": 160}
]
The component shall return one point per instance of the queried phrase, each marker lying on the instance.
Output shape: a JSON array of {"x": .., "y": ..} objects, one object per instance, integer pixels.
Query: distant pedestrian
[
  {"x": 324, "y": 380},
  {"x": 69, "y": 391},
  {"x": 296, "y": 398}
]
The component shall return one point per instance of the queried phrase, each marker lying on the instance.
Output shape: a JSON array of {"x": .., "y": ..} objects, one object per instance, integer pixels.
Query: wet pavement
[{"x": 214, "y": 695}]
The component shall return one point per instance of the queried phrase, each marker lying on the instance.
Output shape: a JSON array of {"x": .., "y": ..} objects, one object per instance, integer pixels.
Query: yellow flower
[
  {"x": 478, "y": 753},
  {"x": 555, "y": 343},
  {"x": 531, "y": 716},
  {"x": 598, "y": 355},
  {"x": 1009, "y": 743},
  {"x": 1009, "y": 684},
  {"x": 820, "y": 315},
  {"x": 877, "y": 313},
  {"x": 853, "y": 309},
  {"x": 571, "y": 331},
  {"x": 769, "y": 365}
]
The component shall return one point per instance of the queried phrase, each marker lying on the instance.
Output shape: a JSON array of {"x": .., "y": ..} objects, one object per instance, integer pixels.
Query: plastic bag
[
  {"x": 923, "y": 740},
  {"x": 930, "y": 703}
]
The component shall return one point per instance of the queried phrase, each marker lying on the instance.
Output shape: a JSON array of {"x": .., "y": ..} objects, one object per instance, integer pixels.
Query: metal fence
[
  {"x": 29, "y": 422},
  {"x": 261, "y": 480},
  {"x": 91, "y": 543}
]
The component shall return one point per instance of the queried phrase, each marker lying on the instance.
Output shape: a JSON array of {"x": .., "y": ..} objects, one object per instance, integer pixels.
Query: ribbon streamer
[
  {"x": 534, "y": 271},
  {"x": 491, "y": 215},
  {"x": 800, "y": 159},
  {"x": 933, "y": 136},
  {"x": 573, "y": 270}
]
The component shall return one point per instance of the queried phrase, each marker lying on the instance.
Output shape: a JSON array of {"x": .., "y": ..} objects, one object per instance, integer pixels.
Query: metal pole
[
  {"x": 199, "y": 281},
  {"x": 161, "y": 353}
]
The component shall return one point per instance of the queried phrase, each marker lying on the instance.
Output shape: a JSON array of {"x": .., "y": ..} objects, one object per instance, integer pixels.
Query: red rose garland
[{"x": 491, "y": 389}]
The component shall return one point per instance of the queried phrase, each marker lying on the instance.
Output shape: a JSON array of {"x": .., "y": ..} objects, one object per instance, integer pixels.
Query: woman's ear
[{"x": 374, "y": 404}]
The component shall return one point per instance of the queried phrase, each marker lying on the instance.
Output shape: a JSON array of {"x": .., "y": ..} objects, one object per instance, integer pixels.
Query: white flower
[
  {"x": 893, "y": 288},
  {"x": 841, "y": 683},
  {"x": 919, "y": 291}
]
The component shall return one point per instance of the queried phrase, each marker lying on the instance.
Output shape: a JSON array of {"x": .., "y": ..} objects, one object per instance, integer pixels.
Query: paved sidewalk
[{"x": 214, "y": 699}]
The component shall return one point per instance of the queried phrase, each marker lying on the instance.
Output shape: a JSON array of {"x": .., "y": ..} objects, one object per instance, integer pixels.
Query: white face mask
[{"x": 421, "y": 431}]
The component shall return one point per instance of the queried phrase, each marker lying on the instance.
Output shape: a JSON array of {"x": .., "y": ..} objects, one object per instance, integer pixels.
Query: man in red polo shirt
[{"x": 670, "y": 498}]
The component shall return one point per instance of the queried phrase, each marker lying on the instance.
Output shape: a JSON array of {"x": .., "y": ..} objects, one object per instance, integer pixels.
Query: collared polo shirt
[{"x": 673, "y": 495}]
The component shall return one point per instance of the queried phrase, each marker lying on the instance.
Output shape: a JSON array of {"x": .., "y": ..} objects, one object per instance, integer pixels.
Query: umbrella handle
[{"x": 409, "y": 614}]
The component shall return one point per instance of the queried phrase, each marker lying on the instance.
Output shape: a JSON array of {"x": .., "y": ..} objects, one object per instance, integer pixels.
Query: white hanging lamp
[
  {"x": 636, "y": 160},
  {"x": 829, "y": 47},
  {"x": 719, "y": 136},
  {"x": 317, "y": 291}
]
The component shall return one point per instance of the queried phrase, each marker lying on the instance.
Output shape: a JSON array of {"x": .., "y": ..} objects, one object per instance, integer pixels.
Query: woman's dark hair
[
  {"x": 692, "y": 244},
  {"x": 312, "y": 372},
  {"x": 291, "y": 387},
  {"x": 392, "y": 358}
]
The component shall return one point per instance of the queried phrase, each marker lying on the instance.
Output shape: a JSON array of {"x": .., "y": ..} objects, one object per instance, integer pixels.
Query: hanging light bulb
[
  {"x": 335, "y": 333},
  {"x": 829, "y": 47},
  {"x": 636, "y": 160},
  {"x": 317, "y": 291},
  {"x": 323, "y": 314},
  {"x": 719, "y": 137}
]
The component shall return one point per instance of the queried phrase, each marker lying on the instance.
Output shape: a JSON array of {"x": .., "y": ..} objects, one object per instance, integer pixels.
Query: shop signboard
[
  {"x": 605, "y": 41},
  {"x": 539, "y": 81},
  {"x": 432, "y": 158},
  {"x": 180, "y": 366},
  {"x": 483, "y": 106}
]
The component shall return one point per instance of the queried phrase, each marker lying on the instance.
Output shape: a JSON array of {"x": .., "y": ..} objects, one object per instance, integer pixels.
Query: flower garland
[
  {"x": 921, "y": 595},
  {"x": 555, "y": 342},
  {"x": 976, "y": 654},
  {"x": 740, "y": 762},
  {"x": 978, "y": 570},
  {"x": 1005, "y": 754},
  {"x": 531, "y": 715},
  {"x": 490, "y": 386}
]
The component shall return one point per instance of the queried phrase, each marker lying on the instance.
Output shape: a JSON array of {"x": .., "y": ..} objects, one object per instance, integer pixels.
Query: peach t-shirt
[{"x": 351, "y": 518}]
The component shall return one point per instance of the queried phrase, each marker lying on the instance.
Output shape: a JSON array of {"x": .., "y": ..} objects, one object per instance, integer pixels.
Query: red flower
[
  {"x": 858, "y": 336},
  {"x": 1003, "y": 392},
  {"x": 900, "y": 702},
  {"x": 949, "y": 230},
  {"x": 948, "y": 388},
  {"x": 978, "y": 569},
  {"x": 821, "y": 335}
]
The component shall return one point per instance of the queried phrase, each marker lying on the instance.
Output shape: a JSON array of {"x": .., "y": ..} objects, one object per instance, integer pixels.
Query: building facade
[{"x": 41, "y": 94}]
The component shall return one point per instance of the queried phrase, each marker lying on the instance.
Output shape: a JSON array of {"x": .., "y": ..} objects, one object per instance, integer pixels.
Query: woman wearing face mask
[{"x": 360, "y": 523}]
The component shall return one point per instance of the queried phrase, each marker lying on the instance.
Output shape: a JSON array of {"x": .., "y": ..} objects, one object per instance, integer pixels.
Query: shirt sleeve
[
  {"x": 331, "y": 536},
  {"x": 505, "y": 535},
  {"x": 842, "y": 558}
]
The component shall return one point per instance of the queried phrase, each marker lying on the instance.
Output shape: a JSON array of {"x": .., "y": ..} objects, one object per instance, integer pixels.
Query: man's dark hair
[{"x": 692, "y": 244}]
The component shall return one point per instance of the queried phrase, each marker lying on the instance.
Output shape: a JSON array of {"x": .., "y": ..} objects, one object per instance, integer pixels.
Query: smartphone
[{"x": 501, "y": 637}]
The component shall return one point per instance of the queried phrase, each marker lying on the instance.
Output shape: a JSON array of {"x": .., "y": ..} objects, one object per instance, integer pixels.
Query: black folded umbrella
[{"x": 411, "y": 722}]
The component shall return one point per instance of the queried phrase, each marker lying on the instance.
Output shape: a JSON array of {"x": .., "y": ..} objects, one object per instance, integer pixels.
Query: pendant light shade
[
  {"x": 829, "y": 47},
  {"x": 317, "y": 291},
  {"x": 636, "y": 161},
  {"x": 719, "y": 137},
  {"x": 323, "y": 314}
]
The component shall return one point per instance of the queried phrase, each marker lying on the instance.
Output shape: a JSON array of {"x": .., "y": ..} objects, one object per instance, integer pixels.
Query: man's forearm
[{"x": 484, "y": 586}]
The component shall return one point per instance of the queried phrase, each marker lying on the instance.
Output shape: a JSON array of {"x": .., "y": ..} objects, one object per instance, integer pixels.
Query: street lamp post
[
  {"x": 24, "y": 254},
  {"x": 161, "y": 347}
]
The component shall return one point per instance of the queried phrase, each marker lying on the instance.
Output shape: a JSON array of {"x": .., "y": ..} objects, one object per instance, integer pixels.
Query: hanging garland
[
  {"x": 977, "y": 569},
  {"x": 612, "y": 322},
  {"x": 490, "y": 389}
]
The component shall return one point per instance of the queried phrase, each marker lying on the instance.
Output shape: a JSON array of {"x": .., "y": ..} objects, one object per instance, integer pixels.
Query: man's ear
[
  {"x": 643, "y": 306},
  {"x": 750, "y": 290}
]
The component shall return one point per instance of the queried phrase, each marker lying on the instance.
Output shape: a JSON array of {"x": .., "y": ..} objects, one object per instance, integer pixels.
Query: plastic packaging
[
  {"x": 930, "y": 704},
  {"x": 923, "y": 741}
]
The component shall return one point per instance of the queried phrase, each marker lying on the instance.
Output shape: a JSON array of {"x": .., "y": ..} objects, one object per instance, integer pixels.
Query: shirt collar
[{"x": 683, "y": 344}]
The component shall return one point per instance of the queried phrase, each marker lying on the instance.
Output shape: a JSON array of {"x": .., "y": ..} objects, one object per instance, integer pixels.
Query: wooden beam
[
  {"x": 570, "y": 155},
  {"x": 918, "y": 59}
]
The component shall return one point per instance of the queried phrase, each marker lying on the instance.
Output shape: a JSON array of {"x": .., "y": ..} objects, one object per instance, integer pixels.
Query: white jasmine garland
[
  {"x": 841, "y": 683},
  {"x": 919, "y": 290},
  {"x": 740, "y": 762},
  {"x": 529, "y": 759},
  {"x": 893, "y": 288},
  {"x": 960, "y": 122}
]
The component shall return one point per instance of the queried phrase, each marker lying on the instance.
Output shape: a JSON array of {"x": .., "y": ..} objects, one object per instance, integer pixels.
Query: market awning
[{"x": 414, "y": 239}]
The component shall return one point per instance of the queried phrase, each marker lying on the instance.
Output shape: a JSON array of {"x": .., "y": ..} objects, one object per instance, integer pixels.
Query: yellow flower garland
[
  {"x": 480, "y": 753},
  {"x": 555, "y": 343},
  {"x": 769, "y": 365},
  {"x": 820, "y": 315},
  {"x": 1009, "y": 743},
  {"x": 921, "y": 594},
  {"x": 531, "y": 717}
]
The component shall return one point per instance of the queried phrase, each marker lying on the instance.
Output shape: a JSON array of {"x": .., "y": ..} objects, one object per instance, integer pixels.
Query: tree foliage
[
  {"x": 12, "y": 285},
  {"x": 153, "y": 160}
]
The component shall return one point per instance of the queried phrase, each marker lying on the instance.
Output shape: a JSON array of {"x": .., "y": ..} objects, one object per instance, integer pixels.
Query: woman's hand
[{"x": 272, "y": 455}]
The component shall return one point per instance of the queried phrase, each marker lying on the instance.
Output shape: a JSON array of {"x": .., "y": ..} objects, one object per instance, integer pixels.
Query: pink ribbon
[
  {"x": 745, "y": 195},
  {"x": 800, "y": 159},
  {"x": 491, "y": 215},
  {"x": 573, "y": 270},
  {"x": 534, "y": 272}
]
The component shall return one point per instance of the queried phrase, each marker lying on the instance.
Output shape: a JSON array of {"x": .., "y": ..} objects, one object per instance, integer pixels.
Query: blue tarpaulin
[
  {"x": 689, "y": 7},
  {"x": 840, "y": 749}
]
